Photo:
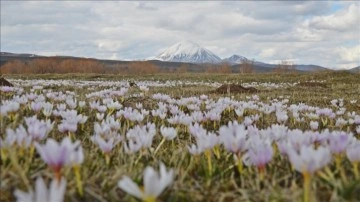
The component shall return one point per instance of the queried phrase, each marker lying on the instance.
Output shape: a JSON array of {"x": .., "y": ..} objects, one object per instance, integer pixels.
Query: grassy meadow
[{"x": 204, "y": 167}]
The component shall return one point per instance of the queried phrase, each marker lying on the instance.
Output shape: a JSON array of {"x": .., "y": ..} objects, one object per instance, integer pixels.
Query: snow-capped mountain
[
  {"x": 187, "y": 51},
  {"x": 234, "y": 59}
]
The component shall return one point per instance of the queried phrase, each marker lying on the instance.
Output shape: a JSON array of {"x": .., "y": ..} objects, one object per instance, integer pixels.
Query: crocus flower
[
  {"x": 168, "y": 133},
  {"x": 57, "y": 155},
  {"x": 353, "y": 154},
  {"x": 154, "y": 183},
  {"x": 307, "y": 161},
  {"x": 338, "y": 141},
  {"x": 314, "y": 125},
  {"x": 38, "y": 129},
  {"x": 259, "y": 155},
  {"x": 19, "y": 135},
  {"x": 42, "y": 194},
  {"x": 76, "y": 159},
  {"x": 233, "y": 136},
  {"x": 106, "y": 146}
]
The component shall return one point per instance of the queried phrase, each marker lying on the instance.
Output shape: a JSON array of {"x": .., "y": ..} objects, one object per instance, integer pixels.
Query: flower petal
[
  {"x": 57, "y": 190},
  {"x": 41, "y": 190},
  {"x": 130, "y": 187}
]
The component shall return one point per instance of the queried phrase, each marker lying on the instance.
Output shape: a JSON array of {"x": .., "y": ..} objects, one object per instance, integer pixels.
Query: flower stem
[
  {"x": 149, "y": 199},
  {"x": 262, "y": 171},
  {"x": 20, "y": 170},
  {"x": 70, "y": 135},
  {"x": 356, "y": 169},
  {"x": 208, "y": 156},
  {"x": 216, "y": 152},
  {"x": 107, "y": 159},
  {"x": 239, "y": 163},
  {"x": 158, "y": 147},
  {"x": 32, "y": 150},
  {"x": 58, "y": 175},
  {"x": 78, "y": 179},
  {"x": 3, "y": 154},
  {"x": 307, "y": 186},
  {"x": 340, "y": 168}
]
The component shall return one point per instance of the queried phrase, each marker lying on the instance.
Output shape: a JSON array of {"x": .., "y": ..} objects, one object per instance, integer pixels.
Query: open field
[{"x": 295, "y": 139}]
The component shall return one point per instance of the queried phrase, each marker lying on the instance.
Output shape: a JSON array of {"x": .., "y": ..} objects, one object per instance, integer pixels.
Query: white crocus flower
[
  {"x": 154, "y": 183},
  {"x": 168, "y": 133},
  {"x": 309, "y": 160},
  {"x": 314, "y": 125},
  {"x": 54, "y": 194}
]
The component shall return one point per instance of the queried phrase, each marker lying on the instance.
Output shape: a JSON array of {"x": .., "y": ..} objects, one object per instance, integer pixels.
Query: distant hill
[{"x": 355, "y": 69}]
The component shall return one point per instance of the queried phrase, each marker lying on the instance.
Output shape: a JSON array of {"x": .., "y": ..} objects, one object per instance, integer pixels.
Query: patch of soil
[
  {"x": 234, "y": 88},
  {"x": 4, "y": 82},
  {"x": 311, "y": 84}
]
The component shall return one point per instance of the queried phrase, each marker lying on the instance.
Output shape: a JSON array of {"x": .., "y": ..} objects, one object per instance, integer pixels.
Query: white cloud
[
  {"x": 341, "y": 21},
  {"x": 351, "y": 54},
  {"x": 307, "y": 31},
  {"x": 268, "y": 52}
]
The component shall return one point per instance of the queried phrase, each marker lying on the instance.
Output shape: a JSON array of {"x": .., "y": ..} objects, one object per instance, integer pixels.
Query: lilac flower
[
  {"x": 233, "y": 136},
  {"x": 19, "y": 136},
  {"x": 38, "y": 129},
  {"x": 338, "y": 141},
  {"x": 281, "y": 116},
  {"x": 340, "y": 122},
  {"x": 65, "y": 127},
  {"x": 71, "y": 103},
  {"x": 57, "y": 155},
  {"x": 112, "y": 105},
  {"x": 308, "y": 159},
  {"x": 141, "y": 136},
  {"x": 37, "y": 106},
  {"x": 106, "y": 146},
  {"x": 168, "y": 133},
  {"x": 260, "y": 154},
  {"x": 47, "y": 109},
  {"x": 204, "y": 142},
  {"x": 9, "y": 107},
  {"x": 314, "y": 125},
  {"x": 42, "y": 194},
  {"x": 70, "y": 121},
  {"x": 353, "y": 152}
]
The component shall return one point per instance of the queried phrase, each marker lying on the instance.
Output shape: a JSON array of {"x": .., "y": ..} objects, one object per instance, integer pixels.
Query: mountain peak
[
  {"x": 235, "y": 59},
  {"x": 188, "y": 51}
]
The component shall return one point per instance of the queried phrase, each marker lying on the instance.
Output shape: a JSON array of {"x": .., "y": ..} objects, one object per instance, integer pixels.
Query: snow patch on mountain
[
  {"x": 234, "y": 59},
  {"x": 187, "y": 51}
]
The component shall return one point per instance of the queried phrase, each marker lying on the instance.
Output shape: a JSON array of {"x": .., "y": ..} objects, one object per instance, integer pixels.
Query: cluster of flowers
[
  {"x": 246, "y": 136},
  {"x": 150, "y": 83}
]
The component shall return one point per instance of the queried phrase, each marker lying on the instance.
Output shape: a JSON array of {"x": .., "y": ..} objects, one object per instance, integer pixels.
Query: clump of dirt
[
  {"x": 4, "y": 82},
  {"x": 311, "y": 84},
  {"x": 234, "y": 88}
]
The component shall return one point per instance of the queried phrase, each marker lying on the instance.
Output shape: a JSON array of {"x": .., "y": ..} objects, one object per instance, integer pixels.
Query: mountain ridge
[{"x": 258, "y": 66}]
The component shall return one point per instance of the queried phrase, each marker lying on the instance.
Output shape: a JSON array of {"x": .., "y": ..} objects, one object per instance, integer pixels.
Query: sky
[{"x": 325, "y": 33}]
